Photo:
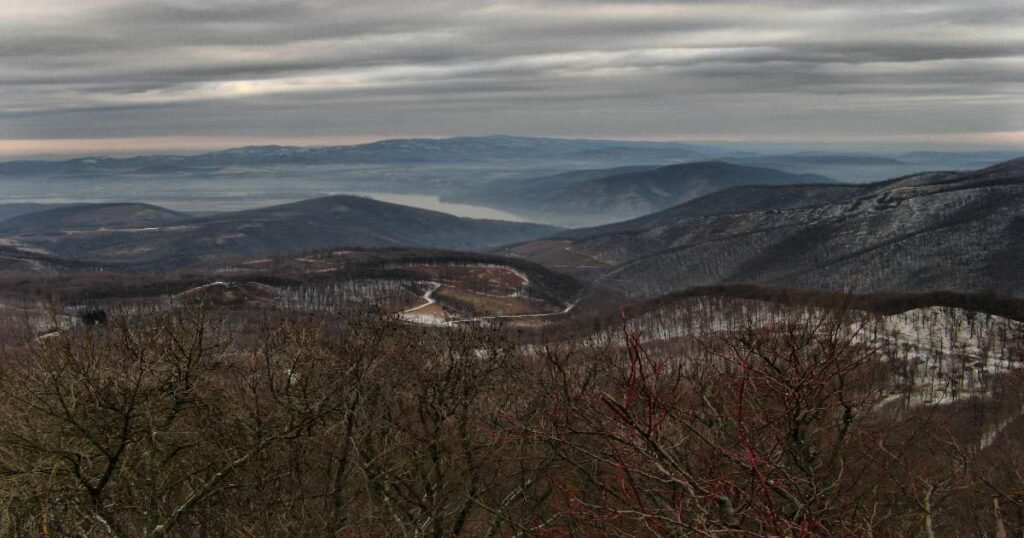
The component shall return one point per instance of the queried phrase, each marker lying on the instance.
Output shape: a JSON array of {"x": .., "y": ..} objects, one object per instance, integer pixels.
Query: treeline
[
  {"x": 545, "y": 284},
  {"x": 367, "y": 265},
  {"x": 384, "y": 295},
  {"x": 185, "y": 422},
  {"x": 989, "y": 302},
  {"x": 378, "y": 262},
  {"x": 79, "y": 288}
]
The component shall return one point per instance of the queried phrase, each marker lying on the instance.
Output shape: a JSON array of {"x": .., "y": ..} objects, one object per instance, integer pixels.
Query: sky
[{"x": 140, "y": 76}]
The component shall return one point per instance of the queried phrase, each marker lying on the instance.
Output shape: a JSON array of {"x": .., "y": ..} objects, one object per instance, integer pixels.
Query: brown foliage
[{"x": 191, "y": 422}]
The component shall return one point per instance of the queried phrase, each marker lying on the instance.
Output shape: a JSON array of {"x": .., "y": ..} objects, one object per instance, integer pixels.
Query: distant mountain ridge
[
  {"x": 629, "y": 192},
  {"x": 10, "y": 210},
  {"x": 412, "y": 150},
  {"x": 91, "y": 216}
]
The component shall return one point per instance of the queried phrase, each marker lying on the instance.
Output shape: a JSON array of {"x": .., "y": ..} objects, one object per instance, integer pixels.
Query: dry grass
[
  {"x": 555, "y": 254},
  {"x": 486, "y": 305}
]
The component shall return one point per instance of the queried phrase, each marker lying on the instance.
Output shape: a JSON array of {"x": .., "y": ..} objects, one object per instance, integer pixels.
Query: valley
[{"x": 550, "y": 181}]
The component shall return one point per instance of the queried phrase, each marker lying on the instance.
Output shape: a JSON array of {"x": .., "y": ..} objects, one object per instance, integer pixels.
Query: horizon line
[{"x": 124, "y": 147}]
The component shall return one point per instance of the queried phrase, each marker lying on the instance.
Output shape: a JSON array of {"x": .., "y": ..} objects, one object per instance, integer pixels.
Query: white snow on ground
[
  {"x": 334, "y": 296},
  {"x": 568, "y": 309},
  {"x": 945, "y": 354},
  {"x": 939, "y": 355},
  {"x": 426, "y": 320},
  {"x": 12, "y": 242},
  {"x": 128, "y": 230},
  {"x": 50, "y": 326},
  {"x": 219, "y": 283},
  {"x": 942, "y": 354},
  {"x": 990, "y": 436},
  {"x": 706, "y": 316},
  {"x": 948, "y": 330},
  {"x": 36, "y": 265}
]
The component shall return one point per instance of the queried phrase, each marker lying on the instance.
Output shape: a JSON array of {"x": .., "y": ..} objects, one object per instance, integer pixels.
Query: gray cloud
[{"x": 690, "y": 69}]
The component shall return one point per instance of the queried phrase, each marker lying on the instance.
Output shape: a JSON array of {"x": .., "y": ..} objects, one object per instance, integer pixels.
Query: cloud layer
[{"x": 775, "y": 70}]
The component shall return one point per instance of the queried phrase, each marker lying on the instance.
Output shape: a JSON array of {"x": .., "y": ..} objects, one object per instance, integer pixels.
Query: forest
[{"x": 705, "y": 416}]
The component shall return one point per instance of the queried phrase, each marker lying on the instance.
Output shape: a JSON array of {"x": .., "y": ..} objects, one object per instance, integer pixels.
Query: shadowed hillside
[
  {"x": 934, "y": 231},
  {"x": 136, "y": 233}
]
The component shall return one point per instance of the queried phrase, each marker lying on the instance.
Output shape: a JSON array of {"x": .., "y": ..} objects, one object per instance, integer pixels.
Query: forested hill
[{"x": 934, "y": 231}]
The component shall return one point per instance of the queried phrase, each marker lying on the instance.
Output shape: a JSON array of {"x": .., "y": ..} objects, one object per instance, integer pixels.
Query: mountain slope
[
  {"x": 865, "y": 168},
  {"x": 89, "y": 216},
  {"x": 331, "y": 222},
  {"x": 528, "y": 196},
  {"x": 623, "y": 193},
  {"x": 846, "y": 167},
  {"x": 958, "y": 232},
  {"x": 742, "y": 199},
  {"x": 16, "y": 209}
]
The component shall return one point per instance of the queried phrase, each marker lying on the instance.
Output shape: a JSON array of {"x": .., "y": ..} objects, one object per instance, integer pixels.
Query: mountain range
[
  {"x": 146, "y": 234},
  {"x": 626, "y": 192},
  {"x": 931, "y": 231},
  {"x": 499, "y": 148},
  {"x": 709, "y": 223},
  {"x": 79, "y": 217},
  {"x": 398, "y": 151}
]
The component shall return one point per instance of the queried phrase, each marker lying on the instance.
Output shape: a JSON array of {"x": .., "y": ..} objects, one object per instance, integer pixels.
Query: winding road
[
  {"x": 428, "y": 296},
  {"x": 410, "y": 316}
]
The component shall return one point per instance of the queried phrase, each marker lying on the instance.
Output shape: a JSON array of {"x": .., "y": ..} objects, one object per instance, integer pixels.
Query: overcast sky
[{"x": 151, "y": 75}]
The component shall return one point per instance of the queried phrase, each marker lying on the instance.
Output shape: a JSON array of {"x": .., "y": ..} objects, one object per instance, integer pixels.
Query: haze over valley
[{"x": 552, "y": 181}]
